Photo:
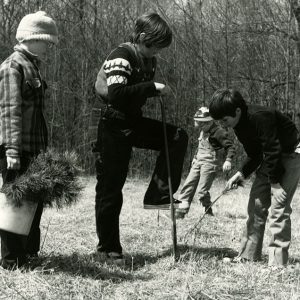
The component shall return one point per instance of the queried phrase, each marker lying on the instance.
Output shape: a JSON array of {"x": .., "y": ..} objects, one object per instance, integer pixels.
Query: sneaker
[
  {"x": 183, "y": 209},
  {"x": 113, "y": 258},
  {"x": 162, "y": 204},
  {"x": 209, "y": 211},
  {"x": 240, "y": 260},
  {"x": 184, "y": 205}
]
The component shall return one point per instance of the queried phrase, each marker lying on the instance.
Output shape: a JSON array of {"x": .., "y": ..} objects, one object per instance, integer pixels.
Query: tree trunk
[{"x": 296, "y": 11}]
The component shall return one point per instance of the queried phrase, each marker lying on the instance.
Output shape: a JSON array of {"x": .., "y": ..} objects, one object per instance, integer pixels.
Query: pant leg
[
  {"x": 32, "y": 242},
  {"x": 149, "y": 135},
  {"x": 111, "y": 169},
  {"x": 190, "y": 185},
  {"x": 280, "y": 222},
  {"x": 11, "y": 243},
  {"x": 14, "y": 246},
  {"x": 258, "y": 205},
  {"x": 207, "y": 176}
]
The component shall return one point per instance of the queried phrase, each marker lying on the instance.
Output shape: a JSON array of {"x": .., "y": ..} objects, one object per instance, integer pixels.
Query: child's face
[
  {"x": 204, "y": 126},
  {"x": 39, "y": 48},
  {"x": 148, "y": 51},
  {"x": 229, "y": 121}
]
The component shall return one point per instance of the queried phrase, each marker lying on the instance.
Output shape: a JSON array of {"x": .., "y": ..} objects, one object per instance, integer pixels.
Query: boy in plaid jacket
[{"x": 23, "y": 130}]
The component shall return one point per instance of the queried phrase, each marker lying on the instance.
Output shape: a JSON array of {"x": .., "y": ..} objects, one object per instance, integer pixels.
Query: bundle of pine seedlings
[{"x": 52, "y": 177}]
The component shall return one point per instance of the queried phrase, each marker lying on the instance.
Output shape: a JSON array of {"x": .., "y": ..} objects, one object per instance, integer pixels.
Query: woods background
[{"x": 253, "y": 45}]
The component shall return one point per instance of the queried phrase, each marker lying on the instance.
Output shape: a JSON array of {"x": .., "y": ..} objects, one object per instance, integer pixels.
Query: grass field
[{"x": 69, "y": 272}]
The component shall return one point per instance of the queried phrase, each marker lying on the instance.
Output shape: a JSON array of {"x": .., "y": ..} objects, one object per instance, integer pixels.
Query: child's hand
[
  {"x": 226, "y": 166},
  {"x": 162, "y": 88},
  {"x": 234, "y": 181},
  {"x": 278, "y": 193},
  {"x": 13, "y": 163}
]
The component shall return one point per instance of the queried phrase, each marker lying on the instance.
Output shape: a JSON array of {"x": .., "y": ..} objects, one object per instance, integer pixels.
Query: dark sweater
[
  {"x": 129, "y": 80},
  {"x": 219, "y": 139},
  {"x": 265, "y": 134}
]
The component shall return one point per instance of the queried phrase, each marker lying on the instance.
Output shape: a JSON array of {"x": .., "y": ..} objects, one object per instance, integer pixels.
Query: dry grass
[{"x": 150, "y": 273}]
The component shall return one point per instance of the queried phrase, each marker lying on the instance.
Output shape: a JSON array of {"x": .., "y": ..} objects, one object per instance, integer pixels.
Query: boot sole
[{"x": 162, "y": 206}]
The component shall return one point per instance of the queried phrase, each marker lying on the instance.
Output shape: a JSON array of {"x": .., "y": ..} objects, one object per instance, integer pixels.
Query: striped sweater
[{"x": 129, "y": 80}]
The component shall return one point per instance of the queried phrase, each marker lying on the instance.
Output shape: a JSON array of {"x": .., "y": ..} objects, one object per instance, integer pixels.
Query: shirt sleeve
[
  {"x": 226, "y": 142},
  {"x": 119, "y": 69},
  {"x": 11, "y": 109},
  {"x": 251, "y": 163},
  {"x": 267, "y": 132},
  {"x": 268, "y": 156}
]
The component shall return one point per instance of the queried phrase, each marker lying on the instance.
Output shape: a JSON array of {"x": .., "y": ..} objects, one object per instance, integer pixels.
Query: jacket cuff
[
  {"x": 12, "y": 152},
  {"x": 242, "y": 175},
  {"x": 153, "y": 91}
]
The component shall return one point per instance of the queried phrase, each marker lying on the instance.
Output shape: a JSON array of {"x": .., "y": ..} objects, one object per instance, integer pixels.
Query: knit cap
[
  {"x": 37, "y": 26},
  {"x": 202, "y": 115}
]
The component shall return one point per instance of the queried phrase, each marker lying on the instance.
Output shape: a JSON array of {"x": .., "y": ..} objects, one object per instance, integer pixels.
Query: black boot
[{"x": 208, "y": 210}]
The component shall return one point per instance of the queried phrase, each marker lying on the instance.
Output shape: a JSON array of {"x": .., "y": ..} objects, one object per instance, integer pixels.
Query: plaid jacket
[{"x": 22, "y": 123}]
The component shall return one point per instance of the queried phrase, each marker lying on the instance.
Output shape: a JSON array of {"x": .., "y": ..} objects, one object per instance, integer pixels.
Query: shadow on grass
[
  {"x": 294, "y": 260},
  {"x": 184, "y": 252},
  {"x": 209, "y": 252},
  {"x": 140, "y": 260},
  {"x": 84, "y": 266},
  {"x": 235, "y": 216}
]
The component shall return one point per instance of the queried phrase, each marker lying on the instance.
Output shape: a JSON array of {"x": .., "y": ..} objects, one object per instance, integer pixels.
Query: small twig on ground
[
  {"x": 45, "y": 234},
  {"x": 9, "y": 286},
  {"x": 207, "y": 296},
  {"x": 157, "y": 217},
  {"x": 192, "y": 229}
]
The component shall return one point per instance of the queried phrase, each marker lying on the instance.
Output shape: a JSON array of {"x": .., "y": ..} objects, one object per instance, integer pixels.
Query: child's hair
[
  {"x": 157, "y": 31},
  {"x": 224, "y": 102}
]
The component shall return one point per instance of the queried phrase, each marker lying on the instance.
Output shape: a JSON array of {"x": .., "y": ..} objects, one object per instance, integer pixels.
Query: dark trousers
[
  {"x": 115, "y": 143},
  {"x": 14, "y": 246}
]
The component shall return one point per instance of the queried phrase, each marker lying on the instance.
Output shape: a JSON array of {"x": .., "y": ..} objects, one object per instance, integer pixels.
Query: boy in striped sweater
[{"x": 129, "y": 75}]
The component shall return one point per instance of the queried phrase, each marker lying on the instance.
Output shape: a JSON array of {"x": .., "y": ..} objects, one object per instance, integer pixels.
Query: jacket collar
[
  {"x": 213, "y": 128},
  {"x": 32, "y": 57}
]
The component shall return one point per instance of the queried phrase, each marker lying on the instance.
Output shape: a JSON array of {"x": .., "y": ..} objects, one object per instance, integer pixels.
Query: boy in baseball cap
[{"x": 204, "y": 165}]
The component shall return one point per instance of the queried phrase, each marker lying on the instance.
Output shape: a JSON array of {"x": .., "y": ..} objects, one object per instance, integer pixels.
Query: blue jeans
[
  {"x": 260, "y": 204},
  {"x": 115, "y": 142},
  {"x": 201, "y": 175}
]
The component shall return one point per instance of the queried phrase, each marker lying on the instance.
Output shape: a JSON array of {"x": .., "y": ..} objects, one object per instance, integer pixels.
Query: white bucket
[{"x": 16, "y": 219}]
